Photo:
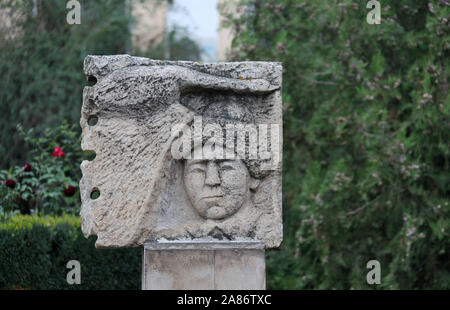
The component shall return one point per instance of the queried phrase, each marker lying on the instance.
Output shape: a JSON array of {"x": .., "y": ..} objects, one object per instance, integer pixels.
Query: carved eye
[
  {"x": 225, "y": 167},
  {"x": 197, "y": 169}
]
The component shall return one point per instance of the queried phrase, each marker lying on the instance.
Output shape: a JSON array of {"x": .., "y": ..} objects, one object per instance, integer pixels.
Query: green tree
[
  {"x": 366, "y": 139},
  {"x": 41, "y": 63}
]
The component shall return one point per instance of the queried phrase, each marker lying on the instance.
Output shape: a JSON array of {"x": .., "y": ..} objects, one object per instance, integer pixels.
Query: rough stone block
[{"x": 184, "y": 150}]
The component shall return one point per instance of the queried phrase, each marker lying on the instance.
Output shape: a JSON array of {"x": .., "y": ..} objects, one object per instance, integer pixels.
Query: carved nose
[{"x": 212, "y": 174}]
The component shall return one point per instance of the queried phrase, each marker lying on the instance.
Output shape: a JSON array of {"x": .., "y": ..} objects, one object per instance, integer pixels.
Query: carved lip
[{"x": 212, "y": 197}]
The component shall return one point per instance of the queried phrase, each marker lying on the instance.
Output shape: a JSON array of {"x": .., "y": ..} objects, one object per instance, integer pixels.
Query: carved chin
[{"x": 216, "y": 213}]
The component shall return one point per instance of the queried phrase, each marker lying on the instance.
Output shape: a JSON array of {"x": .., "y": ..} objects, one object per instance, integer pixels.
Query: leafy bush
[
  {"x": 49, "y": 183},
  {"x": 35, "y": 251},
  {"x": 366, "y": 139}
]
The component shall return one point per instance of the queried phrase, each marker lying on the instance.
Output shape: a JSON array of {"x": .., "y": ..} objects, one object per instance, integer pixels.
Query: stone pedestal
[{"x": 203, "y": 265}]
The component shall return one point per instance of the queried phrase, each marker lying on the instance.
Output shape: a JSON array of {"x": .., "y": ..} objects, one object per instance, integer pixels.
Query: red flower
[
  {"x": 10, "y": 183},
  {"x": 58, "y": 152},
  {"x": 27, "y": 168},
  {"x": 70, "y": 191}
]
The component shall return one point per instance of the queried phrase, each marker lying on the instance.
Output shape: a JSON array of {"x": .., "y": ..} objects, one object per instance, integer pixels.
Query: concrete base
[{"x": 203, "y": 265}]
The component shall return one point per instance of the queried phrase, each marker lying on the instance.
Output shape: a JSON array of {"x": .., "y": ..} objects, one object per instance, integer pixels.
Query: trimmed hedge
[{"x": 34, "y": 252}]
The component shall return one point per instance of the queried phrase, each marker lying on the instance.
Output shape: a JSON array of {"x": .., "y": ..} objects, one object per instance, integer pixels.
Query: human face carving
[{"x": 216, "y": 188}]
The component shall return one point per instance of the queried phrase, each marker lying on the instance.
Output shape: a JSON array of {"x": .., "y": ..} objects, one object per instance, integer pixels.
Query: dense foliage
[
  {"x": 48, "y": 183},
  {"x": 34, "y": 252},
  {"x": 41, "y": 63},
  {"x": 366, "y": 139}
]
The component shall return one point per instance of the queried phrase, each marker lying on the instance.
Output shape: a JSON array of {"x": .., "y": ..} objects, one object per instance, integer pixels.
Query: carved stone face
[{"x": 216, "y": 188}]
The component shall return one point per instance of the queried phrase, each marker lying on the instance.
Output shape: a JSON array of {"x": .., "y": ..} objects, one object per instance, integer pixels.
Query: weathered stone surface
[
  {"x": 146, "y": 192},
  {"x": 203, "y": 266}
]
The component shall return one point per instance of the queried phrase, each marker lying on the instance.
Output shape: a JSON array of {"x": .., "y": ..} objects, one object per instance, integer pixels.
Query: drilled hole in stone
[
  {"x": 95, "y": 194},
  {"x": 92, "y": 120},
  {"x": 89, "y": 155},
  {"x": 92, "y": 80}
]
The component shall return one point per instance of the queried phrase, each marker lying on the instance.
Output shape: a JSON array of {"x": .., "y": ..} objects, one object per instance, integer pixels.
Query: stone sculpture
[{"x": 184, "y": 151}]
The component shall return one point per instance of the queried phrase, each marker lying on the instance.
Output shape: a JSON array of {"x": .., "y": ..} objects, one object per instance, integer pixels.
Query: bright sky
[{"x": 200, "y": 17}]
